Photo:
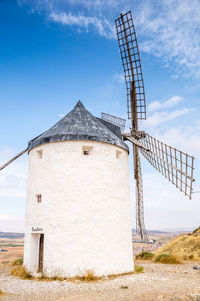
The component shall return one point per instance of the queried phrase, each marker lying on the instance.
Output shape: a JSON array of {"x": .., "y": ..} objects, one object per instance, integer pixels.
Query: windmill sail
[
  {"x": 175, "y": 165},
  {"x": 115, "y": 120},
  {"x": 14, "y": 158},
  {"x": 131, "y": 64},
  {"x": 136, "y": 106}
]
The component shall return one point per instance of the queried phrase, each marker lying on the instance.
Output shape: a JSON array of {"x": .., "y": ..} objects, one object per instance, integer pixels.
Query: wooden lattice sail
[{"x": 175, "y": 165}]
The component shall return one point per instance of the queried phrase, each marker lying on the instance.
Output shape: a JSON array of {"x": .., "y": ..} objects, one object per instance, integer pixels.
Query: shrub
[
  {"x": 144, "y": 255},
  {"x": 167, "y": 258},
  {"x": 5, "y": 262},
  {"x": 196, "y": 230},
  {"x": 18, "y": 261},
  {"x": 161, "y": 256},
  {"x": 44, "y": 277},
  {"x": 1, "y": 292},
  {"x": 21, "y": 272},
  {"x": 139, "y": 268},
  {"x": 191, "y": 257},
  {"x": 89, "y": 276},
  {"x": 172, "y": 259},
  {"x": 124, "y": 286}
]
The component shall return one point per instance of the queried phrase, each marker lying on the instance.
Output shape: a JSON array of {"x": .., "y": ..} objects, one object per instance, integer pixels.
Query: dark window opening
[
  {"x": 87, "y": 150},
  {"x": 39, "y": 198},
  {"x": 118, "y": 154},
  {"x": 40, "y": 153},
  {"x": 86, "y": 153}
]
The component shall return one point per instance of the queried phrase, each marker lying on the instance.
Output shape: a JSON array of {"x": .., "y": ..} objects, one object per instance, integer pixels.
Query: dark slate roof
[
  {"x": 114, "y": 128},
  {"x": 80, "y": 124}
]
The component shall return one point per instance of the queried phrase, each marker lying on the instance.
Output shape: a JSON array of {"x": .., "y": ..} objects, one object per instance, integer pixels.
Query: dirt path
[{"x": 158, "y": 282}]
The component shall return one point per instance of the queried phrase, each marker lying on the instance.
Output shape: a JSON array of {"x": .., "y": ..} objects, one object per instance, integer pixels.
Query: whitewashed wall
[{"x": 85, "y": 209}]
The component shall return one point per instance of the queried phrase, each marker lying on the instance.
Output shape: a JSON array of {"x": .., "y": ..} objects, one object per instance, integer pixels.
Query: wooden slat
[
  {"x": 177, "y": 168},
  {"x": 13, "y": 159}
]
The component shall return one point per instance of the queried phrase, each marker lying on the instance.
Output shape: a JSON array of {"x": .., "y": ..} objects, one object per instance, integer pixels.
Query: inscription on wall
[{"x": 37, "y": 229}]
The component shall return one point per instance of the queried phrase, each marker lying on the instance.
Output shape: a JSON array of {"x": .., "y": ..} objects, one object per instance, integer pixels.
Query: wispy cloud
[
  {"x": 168, "y": 29},
  {"x": 161, "y": 112},
  {"x": 14, "y": 177},
  {"x": 5, "y": 153},
  {"x": 171, "y": 29},
  {"x": 157, "y": 105},
  {"x": 61, "y": 115},
  {"x": 185, "y": 138},
  {"x": 6, "y": 217},
  {"x": 93, "y": 5},
  {"x": 102, "y": 26},
  {"x": 159, "y": 118},
  {"x": 119, "y": 77},
  {"x": 11, "y": 223},
  {"x": 162, "y": 199}
]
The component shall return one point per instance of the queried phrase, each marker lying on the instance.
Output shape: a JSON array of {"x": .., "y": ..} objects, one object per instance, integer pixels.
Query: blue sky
[{"x": 55, "y": 52}]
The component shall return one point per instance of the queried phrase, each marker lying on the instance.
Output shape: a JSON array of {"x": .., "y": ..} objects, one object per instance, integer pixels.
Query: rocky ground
[{"x": 158, "y": 282}]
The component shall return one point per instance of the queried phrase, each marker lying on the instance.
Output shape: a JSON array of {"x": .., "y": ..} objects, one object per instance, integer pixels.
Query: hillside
[
  {"x": 11, "y": 235},
  {"x": 185, "y": 245}
]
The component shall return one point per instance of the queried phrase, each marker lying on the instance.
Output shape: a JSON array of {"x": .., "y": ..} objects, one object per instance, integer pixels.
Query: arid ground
[
  {"x": 158, "y": 282},
  {"x": 14, "y": 247}
]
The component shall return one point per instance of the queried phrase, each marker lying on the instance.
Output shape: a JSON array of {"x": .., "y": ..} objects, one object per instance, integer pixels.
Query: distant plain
[{"x": 14, "y": 244}]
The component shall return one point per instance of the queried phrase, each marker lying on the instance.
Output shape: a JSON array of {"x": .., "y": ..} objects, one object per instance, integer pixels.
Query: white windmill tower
[{"x": 78, "y": 199}]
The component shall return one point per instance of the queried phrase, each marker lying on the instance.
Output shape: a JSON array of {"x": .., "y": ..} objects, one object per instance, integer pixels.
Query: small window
[
  {"x": 40, "y": 153},
  {"x": 39, "y": 198},
  {"x": 118, "y": 154},
  {"x": 87, "y": 150},
  {"x": 86, "y": 153}
]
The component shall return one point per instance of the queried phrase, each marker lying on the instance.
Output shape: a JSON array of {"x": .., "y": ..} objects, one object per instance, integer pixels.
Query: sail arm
[
  {"x": 13, "y": 159},
  {"x": 132, "y": 139},
  {"x": 175, "y": 165},
  {"x": 131, "y": 63}
]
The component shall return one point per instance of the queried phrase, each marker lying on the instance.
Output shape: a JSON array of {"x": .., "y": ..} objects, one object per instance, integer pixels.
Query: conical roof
[{"x": 79, "y": 124}]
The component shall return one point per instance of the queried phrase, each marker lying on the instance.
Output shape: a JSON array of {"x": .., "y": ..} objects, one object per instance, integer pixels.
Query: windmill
[{"x": 174, "y": 164}]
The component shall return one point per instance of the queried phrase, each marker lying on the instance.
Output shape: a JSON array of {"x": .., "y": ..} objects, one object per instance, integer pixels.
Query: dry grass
[
  {"x": 89, "y": 276},
  {"x": 18, "y": 261},
  {"x": 2, "y": 293},
  {"x": 144, "y": 255},
  {"x": 43, "y": 277},
  {"x": 196, "y": 231},
  {"x": 186, "y": 246},
  {"x": 139, "y": 268},
  {"x": 21, "y": 272},
  {"x": 113, "y": 276},
  {"x": 5, "y": 262},
  {"x": 169, "y": 259}
]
